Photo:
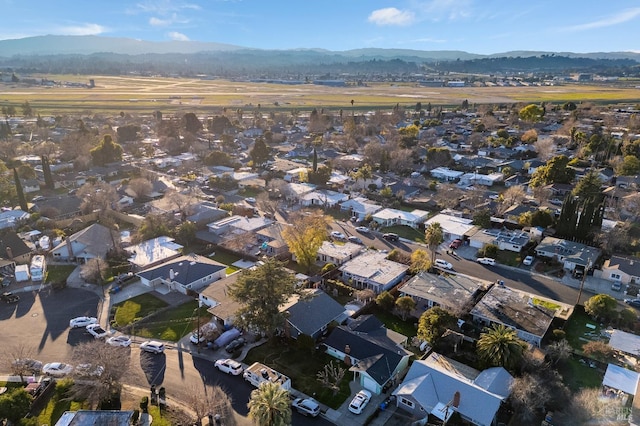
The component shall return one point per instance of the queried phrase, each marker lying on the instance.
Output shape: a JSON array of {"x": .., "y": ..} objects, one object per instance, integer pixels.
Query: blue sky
[{"x": 475, "y": 26}]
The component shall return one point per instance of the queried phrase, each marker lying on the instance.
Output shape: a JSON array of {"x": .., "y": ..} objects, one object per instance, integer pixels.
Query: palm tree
[
  {"x": 269, "y": 405},
  {"x": 434, "y": 236},
  {"x": 500, "y": 346}
]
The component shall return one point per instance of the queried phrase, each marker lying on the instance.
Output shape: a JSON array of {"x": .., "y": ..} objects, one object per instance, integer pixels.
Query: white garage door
[{"x": 369, "y": 384}]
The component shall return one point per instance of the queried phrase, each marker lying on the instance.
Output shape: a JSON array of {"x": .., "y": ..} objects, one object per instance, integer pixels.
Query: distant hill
[{"x": 86, "y": 45}]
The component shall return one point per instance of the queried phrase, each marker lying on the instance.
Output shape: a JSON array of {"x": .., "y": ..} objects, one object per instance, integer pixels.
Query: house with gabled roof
[
  {"x": 93, "y": 242},
  {"x": 338, "y": 254},
  {"x": 191, "y": 272},
  {"x": 624, "y": 270},
  {"x": 360, "y": 207},
  {"x": 372, "y": 270},
  {"x": 375, "y": 353},
  {"x": 392, "y": 217},
  {"x": 311, "y": 312},
  {"x": 13, "y": 248},
  {"x": 152, "y": 252},
  {"x": 436, "y": 387},
  {"x": 575, "y": 256}
]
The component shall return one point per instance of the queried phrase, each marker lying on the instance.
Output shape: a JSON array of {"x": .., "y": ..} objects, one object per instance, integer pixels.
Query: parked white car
[
  {"x": 123, "y": 341},
  {"x": 306, "y": 406},
  {"x": 96, "y": 331},
  {"x": 440, "y": 263},
  {"x": 57, "y": 369},
  {"x": 152, "y": 346},
  {"x": 527, "y": 260},
  {"x": 359, "y": 401},
  {"x": 79, "y": 322},
  {"x": 337, "y": 235},
  {"x": 229, "y": 366},
  {"x": 486, "y": 261}
]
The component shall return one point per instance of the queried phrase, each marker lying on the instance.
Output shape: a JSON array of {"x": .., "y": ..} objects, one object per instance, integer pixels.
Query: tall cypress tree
[
  {"x": 46, "y": 171},
  {"x": 315, "y": 160},
  {"x": 19, "y": 191}
]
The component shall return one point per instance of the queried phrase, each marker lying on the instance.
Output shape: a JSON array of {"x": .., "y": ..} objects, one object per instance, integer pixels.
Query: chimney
[
  {"x": 69, "y": 247},
  {"x": 456, "y": 399},
  {"x": 172, "y": 275},
  {"x": 9, "y": 253}
]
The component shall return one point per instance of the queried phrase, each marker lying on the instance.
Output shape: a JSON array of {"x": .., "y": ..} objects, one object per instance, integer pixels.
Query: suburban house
[
  {"x": 11, "y": 218},
  {"x": 218, "y": 303},
  {"x": 453, "y": 227},
  {"x": 93, "y": 242},
  {"x": 374, "y": 271},
  {"x": 205, "y": 212},
  {"x": 529, "y": 315},
  {"x": 446, "y": 174},
  {"x": 449, "y": 291},
  {"x": 311, "y": 314},
  {"x": 238, "y": 225},
  {"x": 360, "y": 207},
  {"x": 30, "y": 185},
  {"x": 184, "y": 273},
  {"x": 436, "y": 387},
  {"x": 323, "y": 198},
  {"x": 271, "y": 242},
  {"x": 338, "y": 254},
  {"x": 391, "y": 217},
  {"x": 13, "y": 248},
  {"x": 625, "y": 270},
  {"x": 153, "y": 252},
  {"x": 505, "y": 239},
  {"x": 619, "y": 379},
  {"x": 375, "y": 354},
  {"x": 574, "y": 256}
]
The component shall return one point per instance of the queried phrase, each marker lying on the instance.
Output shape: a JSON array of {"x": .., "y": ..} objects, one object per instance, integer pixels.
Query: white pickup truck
[{"x": 257, "y": 374}]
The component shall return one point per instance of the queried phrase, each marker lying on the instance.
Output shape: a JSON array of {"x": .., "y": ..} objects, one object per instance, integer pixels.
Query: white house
[
  {"x": 625, "y": 270},
  {"x": 337, "y": 254},
  {"x": 323, "y": 198},
  {"x": 360, "y": 207},
  {"x": 372, "y": 270},
  {"x": 391, "y": 217},
  {"x": 152, "y": 252},
  {"x": 573, "y": 255},
  {"x": 453, "y": 227},
  {"x": 93, "y": 242},
  {"x": 446, "y": 174}
]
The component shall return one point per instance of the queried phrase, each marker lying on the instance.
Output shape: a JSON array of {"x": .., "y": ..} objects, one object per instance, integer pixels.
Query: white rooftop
[
  {"x": 152, "y": 251},
  {"x": 413, "y": 216},
  {"x": 451, "y": 224},
  {"x": 375, "y": 267}
]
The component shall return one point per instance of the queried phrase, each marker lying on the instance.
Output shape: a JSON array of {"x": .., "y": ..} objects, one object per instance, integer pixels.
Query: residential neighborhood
[{"x": 393, "y": 250}]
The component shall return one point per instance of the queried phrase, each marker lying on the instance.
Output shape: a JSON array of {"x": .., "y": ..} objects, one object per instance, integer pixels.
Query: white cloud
[
  {"x": 173, "y": 19},
  {"x": 392, "y": 16},
  {"x": 437, "y": 10},
  {"x": 162, "y": 7},
  {"x": 84, "y": 29},
  {"x": 174, "y": 35},
  {"x": 620, "y": 18},
  {"x": 424, "y": 40}
]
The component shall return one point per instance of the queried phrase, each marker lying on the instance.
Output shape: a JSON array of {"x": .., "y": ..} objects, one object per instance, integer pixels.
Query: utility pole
[{"x": 584, "y": 277}]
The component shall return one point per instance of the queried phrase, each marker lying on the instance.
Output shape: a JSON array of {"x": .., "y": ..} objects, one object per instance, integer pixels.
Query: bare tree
[
  {"x": 541, "y": 194},
  {"x": 266, "y": 204},
  {"x": 19, "y": 360},
  {"x": 95, "y": 384},
  {"x": 365, "y": 295},
  {"x": 99, "y": 196},
  {"x": 142, "y": 187},
  {"x": 206, "y": 400},
  {"x": 545, "y": 147},
  {"x": 589, "y": 406},
  {"x": 94, "y": 270},
  {"x": 559, "y": 351},
  {"x": 529, "y": 396},
  {"x": 448, "y": 195},
  {"x": 513, "y": 195},
  {"x": 183, "y": 202},
  {"x": 331, "y": 376}
]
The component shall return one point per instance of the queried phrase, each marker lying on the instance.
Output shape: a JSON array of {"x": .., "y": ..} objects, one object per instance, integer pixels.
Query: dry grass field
[{"x": 146, "y": 94}]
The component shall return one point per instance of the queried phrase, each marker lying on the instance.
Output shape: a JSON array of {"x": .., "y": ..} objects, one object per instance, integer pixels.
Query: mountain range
[{"x": 86, "y": 45}]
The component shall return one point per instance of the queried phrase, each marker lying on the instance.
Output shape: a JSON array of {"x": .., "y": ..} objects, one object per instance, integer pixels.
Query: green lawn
[
  {"x": 173, "y": 324},
  {"x": 510, "y": 258},
  {"x": 577, "y": 330},
  {"x": 395, "y": 323},
  {"x": 58, "y": 273},
  {"x": 58, "y": 404},
  {"x": 577, "y": 375},
  {"x": 301, "y": 367},
  {"x": 405, "y": 232},
  {"x": 225, "y": 257},
  {"x": 136, "y": 308}
]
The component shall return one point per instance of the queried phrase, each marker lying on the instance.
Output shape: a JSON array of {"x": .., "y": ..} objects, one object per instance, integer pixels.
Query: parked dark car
[
  {"x": 389, "y": 236},
  {"x": 236, "y": 344},
  {"x": 9, "y": 297},
  {"x": 455, "y": 244}
]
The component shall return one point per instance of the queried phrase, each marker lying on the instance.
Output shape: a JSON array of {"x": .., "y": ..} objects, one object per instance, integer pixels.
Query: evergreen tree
[
  {"x": 21, "y": 200},
  {"x": 315, "y": 160},
  {"x": 46, "y": 171}
]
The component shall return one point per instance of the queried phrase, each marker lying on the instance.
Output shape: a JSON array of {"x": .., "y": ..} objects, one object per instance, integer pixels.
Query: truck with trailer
[{"x": 257, "y": 373}]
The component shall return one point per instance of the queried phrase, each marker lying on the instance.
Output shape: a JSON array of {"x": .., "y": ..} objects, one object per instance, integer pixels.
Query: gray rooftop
[{"x": 449, "y": 291}]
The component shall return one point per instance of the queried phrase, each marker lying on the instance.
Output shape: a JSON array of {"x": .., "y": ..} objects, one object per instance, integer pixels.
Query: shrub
[
  {"x": 144, "y": 404},
  {"x": 559, "y": 334}
]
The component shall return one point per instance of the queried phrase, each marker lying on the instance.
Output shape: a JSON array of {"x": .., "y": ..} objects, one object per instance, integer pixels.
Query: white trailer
[
  {"x": 22, "y": 273},
  {"x": 257, "y": 373}
]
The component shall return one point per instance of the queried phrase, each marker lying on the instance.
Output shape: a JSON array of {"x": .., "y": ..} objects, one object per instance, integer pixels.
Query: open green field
[{"x": 147, "y": 94}]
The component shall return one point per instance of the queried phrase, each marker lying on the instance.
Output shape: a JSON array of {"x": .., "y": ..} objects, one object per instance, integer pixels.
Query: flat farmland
[{"x": 131, "y": 93}]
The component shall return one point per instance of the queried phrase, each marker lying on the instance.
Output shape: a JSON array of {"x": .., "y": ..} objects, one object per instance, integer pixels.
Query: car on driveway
[
  {"x": 363, "y": 229},
  {"x": 152, "y": 346},
  {"x": 27, "y": 364},
  {"x": 306, "y": 406},
  {"x": 96, "y": 331},
  {"x": 236, "y": 344},
  {"x": 9, "y": 297},
  {"x": 455, "y": 244},
  {"x": 123, "y": 341},
  {"x": 359, "y": 401},
  {"x": 528, "y": 261},
  {"x": 337, "y": 235},
  {"x": 56, "y": 369},
  {"x": 633, "y": 302},
  {"x": 229, "y": 366},
  {"x": 486, "y": 261},
  {"x": 441, "y": 263},
  {"x": 79, "y": 322}
]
